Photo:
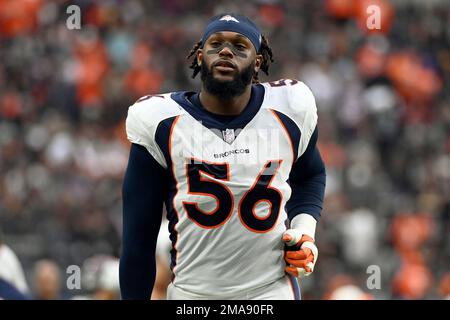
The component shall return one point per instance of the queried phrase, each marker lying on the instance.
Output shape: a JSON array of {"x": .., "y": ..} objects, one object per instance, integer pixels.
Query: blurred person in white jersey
[
  {"x": 13, "y": 285},
  {"x": 100, "y": 278}
]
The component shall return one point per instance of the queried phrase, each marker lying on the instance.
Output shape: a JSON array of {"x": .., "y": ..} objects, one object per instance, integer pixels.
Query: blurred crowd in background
[{"x": 384, "y": 119}]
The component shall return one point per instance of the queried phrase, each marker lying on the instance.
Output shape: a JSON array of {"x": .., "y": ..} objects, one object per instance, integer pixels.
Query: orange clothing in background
[{"x": 18, "y": 17}]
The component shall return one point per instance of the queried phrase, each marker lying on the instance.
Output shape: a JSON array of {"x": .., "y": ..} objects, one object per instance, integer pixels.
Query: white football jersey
[
  {"x": 228, "y": 188},
  {"x": 11, "y": 269}
]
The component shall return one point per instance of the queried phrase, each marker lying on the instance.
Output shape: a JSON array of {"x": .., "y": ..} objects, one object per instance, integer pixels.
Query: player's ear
[
  {"x": 199, "y": 56},
  {"x": 258, "y": 62}
]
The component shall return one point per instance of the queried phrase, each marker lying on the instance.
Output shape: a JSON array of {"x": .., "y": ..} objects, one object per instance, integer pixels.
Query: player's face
[{"x": 228, "y": 62}]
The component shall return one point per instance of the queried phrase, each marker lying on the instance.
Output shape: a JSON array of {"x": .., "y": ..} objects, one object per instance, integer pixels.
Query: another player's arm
[
  {"x": 142, "y": 212},
  {"x": 307, "y": 180}
]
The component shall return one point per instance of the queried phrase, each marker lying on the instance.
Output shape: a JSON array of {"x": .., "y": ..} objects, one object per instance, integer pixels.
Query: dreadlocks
[{"x": 265, "y": 51}]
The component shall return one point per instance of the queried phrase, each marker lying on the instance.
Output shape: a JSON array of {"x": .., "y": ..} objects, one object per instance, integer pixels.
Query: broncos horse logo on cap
[{"x": 229, "y": 18}]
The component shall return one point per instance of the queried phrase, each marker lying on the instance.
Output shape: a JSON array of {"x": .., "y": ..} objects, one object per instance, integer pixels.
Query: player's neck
[{"x": 227, "y": 107}]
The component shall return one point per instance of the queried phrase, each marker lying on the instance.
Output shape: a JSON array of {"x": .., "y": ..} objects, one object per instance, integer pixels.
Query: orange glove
[{"x": 302, "y": 259}]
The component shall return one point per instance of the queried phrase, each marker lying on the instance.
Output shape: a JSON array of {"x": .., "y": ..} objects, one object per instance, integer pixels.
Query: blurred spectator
[
  {"x": 100, "y": 278},
  {"x": 359, "y": 231},
  {"x": 412, "y": 281},
  {"x": 163, "y": 276},
  {"x": 349, "y": 292},
  {"x": 162, "y": 279},
  {"x": 108, "y": 281},
  {"x": 343, "y": 287},
  {"x": 444, "y": 286},
  {"x": 47, "y": 281},
  {"x": 410, "y": 231}
]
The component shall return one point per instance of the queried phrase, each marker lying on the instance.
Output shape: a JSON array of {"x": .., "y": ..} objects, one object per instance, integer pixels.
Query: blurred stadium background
[{"x": 384, "y": 115}]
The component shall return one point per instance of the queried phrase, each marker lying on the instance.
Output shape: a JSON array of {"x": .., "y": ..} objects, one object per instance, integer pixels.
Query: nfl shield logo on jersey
[{"x": 228, "y": 135}]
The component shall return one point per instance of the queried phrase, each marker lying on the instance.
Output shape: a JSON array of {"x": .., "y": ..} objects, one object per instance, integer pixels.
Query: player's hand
[{"x": 302, "y": 259}]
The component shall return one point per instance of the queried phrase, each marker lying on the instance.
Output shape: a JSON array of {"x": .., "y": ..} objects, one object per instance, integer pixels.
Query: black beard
[{"x": 227, "y": 89}]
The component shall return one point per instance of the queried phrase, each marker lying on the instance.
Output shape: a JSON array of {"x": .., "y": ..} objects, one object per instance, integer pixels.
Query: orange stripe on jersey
[{"x": 287, "y": 134}]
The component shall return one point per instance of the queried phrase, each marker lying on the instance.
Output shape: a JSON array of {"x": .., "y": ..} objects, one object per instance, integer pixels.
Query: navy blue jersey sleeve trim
[
  {"x": 162, "y": 138},
  {"x": 295, "y": 287},
  {"x": 292, "y": 129},
  {"x": 307, "y": 180},
  {"x": 143, "y": 196}
]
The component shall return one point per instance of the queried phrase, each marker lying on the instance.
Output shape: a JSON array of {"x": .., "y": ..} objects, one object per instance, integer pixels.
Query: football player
[
  {"x": 237, "y": 167},
  {"x": 13, "y": 285}
]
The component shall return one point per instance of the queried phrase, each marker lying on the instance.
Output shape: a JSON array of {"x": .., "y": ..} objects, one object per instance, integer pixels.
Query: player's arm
[
  {"x": 143, "y": 197},
  {"x": 307, "y": 180},
  {"x": 10, "y": 292}
]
